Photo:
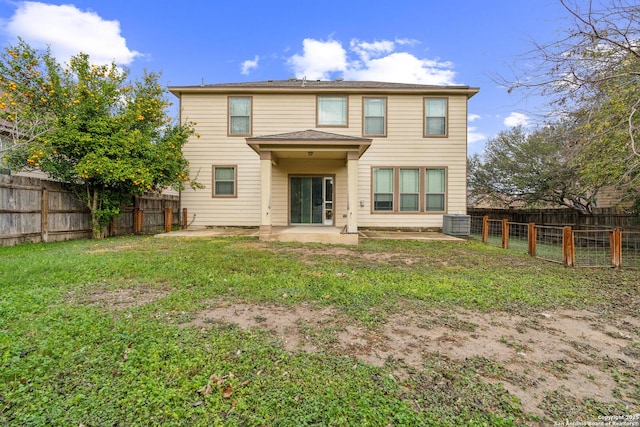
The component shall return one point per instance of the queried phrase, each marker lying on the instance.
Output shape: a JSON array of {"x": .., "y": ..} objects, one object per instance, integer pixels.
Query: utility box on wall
[{"x": 456, "y": 224}]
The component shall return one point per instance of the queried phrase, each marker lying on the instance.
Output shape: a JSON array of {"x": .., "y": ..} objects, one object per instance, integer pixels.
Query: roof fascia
[{"x": 453, "y": 90}]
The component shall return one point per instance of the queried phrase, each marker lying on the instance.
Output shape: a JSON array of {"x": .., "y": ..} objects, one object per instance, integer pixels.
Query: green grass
[{"x": 65, "y": 361}]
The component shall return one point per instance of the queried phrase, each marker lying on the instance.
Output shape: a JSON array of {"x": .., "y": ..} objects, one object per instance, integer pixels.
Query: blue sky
[{"x": 467, "y": 42}]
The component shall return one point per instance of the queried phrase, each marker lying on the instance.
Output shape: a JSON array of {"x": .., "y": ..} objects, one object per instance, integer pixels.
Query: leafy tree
[
  {"x": 591, "y": 74},
  {"x": 87, "y": 126},
  {"x": 532, "y": 169}
]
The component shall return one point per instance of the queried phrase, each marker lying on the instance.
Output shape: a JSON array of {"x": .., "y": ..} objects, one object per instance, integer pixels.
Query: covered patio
[{"x": 294, "y": 162}]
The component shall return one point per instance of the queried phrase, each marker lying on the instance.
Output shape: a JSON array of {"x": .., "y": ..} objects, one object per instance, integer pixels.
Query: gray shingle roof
[
  {"x": 337, "y": 84},
  {"x": 321, "y": 86},
  {"x": 308, "y": 135}
]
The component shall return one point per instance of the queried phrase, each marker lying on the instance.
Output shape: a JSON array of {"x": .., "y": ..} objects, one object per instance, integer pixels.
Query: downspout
[{"x": 180, "y": 219}]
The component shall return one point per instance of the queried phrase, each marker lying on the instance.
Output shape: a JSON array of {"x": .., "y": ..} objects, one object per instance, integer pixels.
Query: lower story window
[
  {"x": 435, "y": 190},
  {"x": 409, "y": 183},
  {"x": 224, "y": 181},
  {"x": 383, "y": 189},
  {"x": 409, "y": 189}
]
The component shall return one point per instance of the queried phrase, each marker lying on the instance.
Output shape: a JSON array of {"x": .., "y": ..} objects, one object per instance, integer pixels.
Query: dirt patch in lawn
[
  {"x": 119, "y": 248},
  {"x": 117, "y": 299},
  {"x": 541, "y": 358},
  {"x": 309, "y": 255}
]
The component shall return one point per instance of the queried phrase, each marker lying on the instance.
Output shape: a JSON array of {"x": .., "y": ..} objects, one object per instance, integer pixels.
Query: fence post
[
  {"x": 185, "y": 223},
  {"x": 44, "y": 215},
  {"x": 167, "y": 220},
  {"x": 138, "y": 218},
  {"x": 485, "y": 228},
  {"x": 505, "y": 233},
  {"x": 615, "y": 240},
  {"x": 568, "y": 247},
  {"x": 135, "y": 220},
  {"x": 533, "y": 238},
  {"x": 113, "y": 227}
]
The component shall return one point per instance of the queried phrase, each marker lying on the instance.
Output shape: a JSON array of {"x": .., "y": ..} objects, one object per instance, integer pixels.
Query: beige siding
[
  {"x": 406, "y": 146},
  {"x": 215, "y": 148},
  {"x": 290, "y": 113},
  {"x": 273, "y": 114}
]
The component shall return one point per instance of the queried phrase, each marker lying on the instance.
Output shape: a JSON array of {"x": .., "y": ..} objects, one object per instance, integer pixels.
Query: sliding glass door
[{"x": 311, "y": 200}]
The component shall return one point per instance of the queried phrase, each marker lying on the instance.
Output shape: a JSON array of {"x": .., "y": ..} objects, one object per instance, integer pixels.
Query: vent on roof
[{"x": 339, "y": 79}]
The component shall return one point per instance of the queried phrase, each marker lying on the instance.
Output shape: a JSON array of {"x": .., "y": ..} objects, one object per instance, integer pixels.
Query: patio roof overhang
[{"x": 308, "y": 144}]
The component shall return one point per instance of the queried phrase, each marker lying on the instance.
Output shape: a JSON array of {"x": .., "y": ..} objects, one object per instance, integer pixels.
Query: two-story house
[{"x": 336, "y": 154}]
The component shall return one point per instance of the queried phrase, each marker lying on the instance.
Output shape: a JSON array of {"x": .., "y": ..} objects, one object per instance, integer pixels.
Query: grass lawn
[{"x": 110, "y": 333}]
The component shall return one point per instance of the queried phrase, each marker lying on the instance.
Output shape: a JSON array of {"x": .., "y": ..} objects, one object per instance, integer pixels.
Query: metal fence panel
[
  {"x": 631, "y": 249},
  {"x": 585, "y": 248},
  {"x": 549, "y": 243},
  {"x": 593, "y": 248}
]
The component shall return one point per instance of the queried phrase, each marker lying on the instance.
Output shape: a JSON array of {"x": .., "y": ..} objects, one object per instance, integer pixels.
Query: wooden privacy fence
[
  {"x": 586, "y": 248},
  {"x": 37, "y": 210}
]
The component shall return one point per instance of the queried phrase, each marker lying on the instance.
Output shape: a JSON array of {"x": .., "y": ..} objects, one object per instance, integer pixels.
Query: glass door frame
[{"x": 328, "y": 206}]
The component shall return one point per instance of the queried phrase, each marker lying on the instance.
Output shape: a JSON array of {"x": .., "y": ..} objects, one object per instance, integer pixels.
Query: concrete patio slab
[
  {"x": 302, "y": 234},
  {"x": 409, "y": 235}
]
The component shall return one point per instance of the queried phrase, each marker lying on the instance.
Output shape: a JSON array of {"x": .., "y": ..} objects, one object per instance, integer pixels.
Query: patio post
[
  {"x": 352, "y": 191},
  {"x": 265, "y": 192}
]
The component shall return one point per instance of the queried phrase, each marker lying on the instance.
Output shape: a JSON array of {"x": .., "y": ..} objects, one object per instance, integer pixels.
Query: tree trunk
[{"x": 93, "y": 206}]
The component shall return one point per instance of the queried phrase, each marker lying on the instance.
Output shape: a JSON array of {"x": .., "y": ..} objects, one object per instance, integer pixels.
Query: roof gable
[
  {"x": 308, "y": 135},
  {"x": 301, "y": 143}
]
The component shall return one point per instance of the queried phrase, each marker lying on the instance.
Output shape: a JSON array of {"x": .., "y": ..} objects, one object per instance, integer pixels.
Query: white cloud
[
  {"x": 401, "y": 67},
  {"x": 366, "y": 50},
  {"x": 319, "y": 59},
  {"x": 249, "y": 65},
  {"x": 474, "y": 136},
  {"x": 377, "y": 61},
  {"x": 517, "y": 119},
  {"x": 68, "y": 31},
  {"x": 410, "y": 42}
]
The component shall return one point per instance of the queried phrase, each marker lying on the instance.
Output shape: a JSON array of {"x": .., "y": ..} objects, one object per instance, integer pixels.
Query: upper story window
[
  {"x": 435, "y": 122},
  {"x": 332, "y": 110},
  {"x": 240, "y": 115},
  {"x": 375, "y": 116}
]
